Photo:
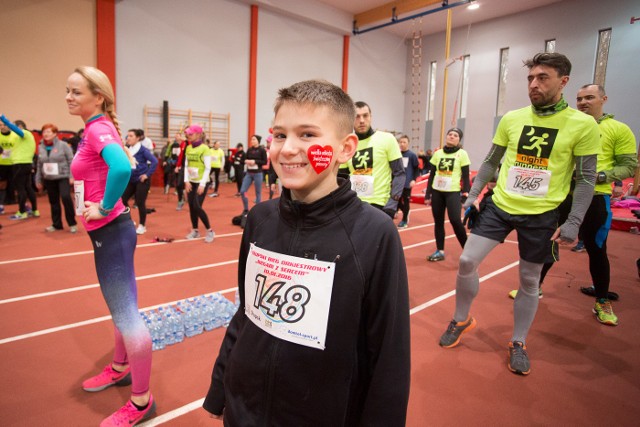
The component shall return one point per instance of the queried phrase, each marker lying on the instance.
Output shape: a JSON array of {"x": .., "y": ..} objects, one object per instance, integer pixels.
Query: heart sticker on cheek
[{"x": 320, "y": 157}]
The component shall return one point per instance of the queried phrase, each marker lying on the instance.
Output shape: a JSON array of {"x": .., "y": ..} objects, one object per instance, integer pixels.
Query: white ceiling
[{"x": 436, "y": 22}]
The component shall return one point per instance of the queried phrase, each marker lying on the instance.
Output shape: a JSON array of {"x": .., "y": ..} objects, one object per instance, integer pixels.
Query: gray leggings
[{"x": 468, "y": 283}]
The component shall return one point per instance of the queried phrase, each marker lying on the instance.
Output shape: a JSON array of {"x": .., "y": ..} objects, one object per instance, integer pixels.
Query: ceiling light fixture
[{"x": 473, "y": 5}]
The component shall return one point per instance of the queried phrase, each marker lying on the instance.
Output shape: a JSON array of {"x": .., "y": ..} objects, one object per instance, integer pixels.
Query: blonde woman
[{"x": 101, "y": 170}]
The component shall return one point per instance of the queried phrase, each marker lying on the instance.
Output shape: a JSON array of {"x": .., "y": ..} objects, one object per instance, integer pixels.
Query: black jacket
[{"x": 362, "y": 376}]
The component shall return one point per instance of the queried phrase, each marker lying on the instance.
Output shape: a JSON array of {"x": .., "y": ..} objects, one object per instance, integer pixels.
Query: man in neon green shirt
[
  {"x": 217, "y": 163},
  {"x": 616, "y": 161},
  {"x": 22, "y": 155},
  {"x": 8, "y": 140},
  {"x": 541, "y": 144},
  {"x": 377, "y": 172}
]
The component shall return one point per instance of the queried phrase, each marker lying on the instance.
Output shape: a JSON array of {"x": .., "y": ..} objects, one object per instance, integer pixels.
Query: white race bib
[
  {"x": 50, "y": 168},
  {"x": 405, "y": 162},
  {"x": 192, "y": 173},
  {"x": 528, "y": 182},
  {"x": 78, "y": 192},
  {"x": 443, "y": 183},
  {"x": 289, "y": 297},
  {"x": 175, "y": 151},
  {"x": 362, "y": 184}
]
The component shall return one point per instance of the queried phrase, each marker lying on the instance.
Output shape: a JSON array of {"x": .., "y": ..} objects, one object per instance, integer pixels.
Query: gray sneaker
[
  {"x": 210, "y": 236},
  {"x": 451, "y": 336},
  {"x": 193, "y": 235},
  {"x": 518, "y": 358},
  {"x": 180, "y": 205}
]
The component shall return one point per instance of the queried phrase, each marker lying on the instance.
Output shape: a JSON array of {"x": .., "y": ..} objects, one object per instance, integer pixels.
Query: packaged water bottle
[
  {"x": 168, "y": 328},
  {"x": 157, "y": 334},
  {"x": 198, "y": 315},
  {"x": 177, "y": 326},
  {"x": 208, "y": 314}
]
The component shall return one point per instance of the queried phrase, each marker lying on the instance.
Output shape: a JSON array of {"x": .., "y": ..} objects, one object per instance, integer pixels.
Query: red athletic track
[{"x": 583, "y": 373}]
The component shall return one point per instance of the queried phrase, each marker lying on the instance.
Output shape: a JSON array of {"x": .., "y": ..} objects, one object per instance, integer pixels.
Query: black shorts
[{"x": 534, "y": 231}]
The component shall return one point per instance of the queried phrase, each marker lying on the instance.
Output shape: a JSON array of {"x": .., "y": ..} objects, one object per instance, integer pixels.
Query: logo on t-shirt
[
  {"x": 363, "y": 161},
  {"x": 445, "y": 166},
  {"x": 535, "y": 146}
]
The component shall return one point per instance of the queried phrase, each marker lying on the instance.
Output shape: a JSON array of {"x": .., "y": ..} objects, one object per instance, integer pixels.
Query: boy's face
[
  {"x": 404, "y": 144},
  {"x": 296, "y": 129}
]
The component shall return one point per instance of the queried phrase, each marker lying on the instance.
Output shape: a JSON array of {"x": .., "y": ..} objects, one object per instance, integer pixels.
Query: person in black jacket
[
  {"x": 238, "y": 166},
  {"x": 254, "y": 160},
  {"x": 322, "y": 333}
]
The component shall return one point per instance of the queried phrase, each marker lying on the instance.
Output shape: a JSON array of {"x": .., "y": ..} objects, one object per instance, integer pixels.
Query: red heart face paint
[{"x": 320, "y": 157}]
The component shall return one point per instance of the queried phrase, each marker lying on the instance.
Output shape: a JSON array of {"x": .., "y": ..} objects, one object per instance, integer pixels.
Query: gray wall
[
  {"x": 195, "y": 54},
  {"x": 574, "y": 24}
]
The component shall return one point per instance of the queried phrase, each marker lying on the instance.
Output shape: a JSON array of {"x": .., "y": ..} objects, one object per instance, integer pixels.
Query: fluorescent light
[{"x": 473, "y": 5}]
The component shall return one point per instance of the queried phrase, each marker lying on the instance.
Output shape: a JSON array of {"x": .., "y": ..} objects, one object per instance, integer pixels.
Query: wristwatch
[{"x": 601, "y": 177}]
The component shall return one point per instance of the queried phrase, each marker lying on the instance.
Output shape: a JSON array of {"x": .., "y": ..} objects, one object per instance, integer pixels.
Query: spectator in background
[
  {"x": 8, "y": 140},
  {"x": 217, "y": 163},
  {"x": 22, "y": 158},
  {"x": 238, "y": 166},
  {"x": 410, "y": 163},
  {"x": 75, "y": 140},
  {"x": 53, "y": 173},
  {"x": 254, "y": 161},
  {"x": 140, "y": 180}
]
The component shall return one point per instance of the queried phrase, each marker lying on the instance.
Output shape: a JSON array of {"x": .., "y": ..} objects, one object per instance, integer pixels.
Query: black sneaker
[
  {"x": 451, "y": 336},
  {"x": 436, "y": 256},
  {"x": 518, "y": 359}
]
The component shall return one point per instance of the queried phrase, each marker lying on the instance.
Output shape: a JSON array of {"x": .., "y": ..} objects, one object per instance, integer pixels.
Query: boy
[
  {"x": 412, "y": 171},
  {"x": 322, "y": 336}
]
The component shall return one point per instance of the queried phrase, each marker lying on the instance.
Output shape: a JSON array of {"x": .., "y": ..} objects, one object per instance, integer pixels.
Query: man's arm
[
  {"x": 582, "y": 195},
  {"x": 485, "y": 173},
  {"x": 625, "y": 167},
  {"x": 397, "y": 184}
]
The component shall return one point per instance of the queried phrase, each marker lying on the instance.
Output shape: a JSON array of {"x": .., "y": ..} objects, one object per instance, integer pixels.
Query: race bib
[
  {"x": 50, "y": 168},
  {"x": 362, "y": 184},
  {"x": 442, "y": 183},
  {"x": 405, "y": 162},
  {"x": 528, "y": 182},
  {"x": 175, "y": 151},
  {"x": 289, "y": 297},
  {"x": 192, "y": 173},
  {"x": 78, "y": 192}
]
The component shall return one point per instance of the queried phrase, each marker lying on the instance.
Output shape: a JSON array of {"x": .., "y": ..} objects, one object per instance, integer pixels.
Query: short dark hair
[
  {"x": 601, "y": 91},
  {"x": 21, "y": 124},
  {"x": 557, "y": 61},
  {"x": 362, "y": 104},
  {"x": 139, "y": 133}
]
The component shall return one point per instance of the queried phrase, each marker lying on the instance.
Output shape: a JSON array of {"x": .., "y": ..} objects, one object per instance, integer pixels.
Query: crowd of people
[{"x": 346, "y": 345}]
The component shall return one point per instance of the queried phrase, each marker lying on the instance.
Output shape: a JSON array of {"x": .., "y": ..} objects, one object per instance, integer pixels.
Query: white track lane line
[{"x": 143, "y": 245}]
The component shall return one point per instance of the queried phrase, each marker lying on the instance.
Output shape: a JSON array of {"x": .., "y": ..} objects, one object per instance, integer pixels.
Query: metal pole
[{"x": 447, "y": 45}]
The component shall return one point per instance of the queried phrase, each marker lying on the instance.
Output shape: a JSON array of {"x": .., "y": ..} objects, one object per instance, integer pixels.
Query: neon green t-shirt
[
  {"x": 370, "y": 171},
  {"x": 24, "y": 149},
  {"x": 539, "y": 161},
  {"x": 216, "y": 158},
  {"x": 615, "y": 139},
  {"x": 7, "y": 142},
  {"x": 195, "y": 162},
  {"x": 449, "y": 169}
]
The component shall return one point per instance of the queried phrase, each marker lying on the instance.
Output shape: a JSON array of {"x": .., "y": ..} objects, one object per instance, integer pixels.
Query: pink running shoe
[
  {"x": 129, "y": 415},
  {"x": 107, "y": 378}
]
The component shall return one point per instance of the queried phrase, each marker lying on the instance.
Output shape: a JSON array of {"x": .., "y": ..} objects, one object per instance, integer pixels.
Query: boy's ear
[{"x": 347, "y": 148}]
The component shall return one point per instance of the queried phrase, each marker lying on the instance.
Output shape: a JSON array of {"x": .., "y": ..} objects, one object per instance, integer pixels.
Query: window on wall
[
  {"x": 464, "y": 83},
  {"x": 602, "y": 56},
  {"x": 502, "y": 81},
  {"x": 550, "y": 46},
  {"x": 432, "y": 90}
]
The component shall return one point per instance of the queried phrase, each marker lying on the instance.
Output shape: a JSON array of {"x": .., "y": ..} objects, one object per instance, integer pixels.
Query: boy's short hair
[
  {"x": 557, "y": 61},
  {"x": 320, "y": 93}
]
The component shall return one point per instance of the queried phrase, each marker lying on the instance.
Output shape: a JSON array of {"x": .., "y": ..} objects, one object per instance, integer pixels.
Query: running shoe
[
  {"x": 591, "y": 291},
  {"x": 213, "y": 195},
  {"x": 451, "y": 336},
  {"x": 579, "y": 247},
  {"x": 403, "y": 224},
  {"x": 180, "y": 205},
  {"x": 129, "y": 415},
  {"x": 210, "y": 236},
  {"x": 436, "y": 256},
  {"x": 604, "y": 312},
  {"x": 35, "y": 214},
  {"x": 141, "y": 229},
  {"x": 514, "y": 292},
  {"x": 193, "y": 235},
  {"x": 1, "y": 209},
  {"x": 107, "y": 378},
  {"x": 51, "y": 229},
  {"x": 518, "y": 358},
  {"x": 19, "y": 215},
  {"x": 73, "y": 229}
]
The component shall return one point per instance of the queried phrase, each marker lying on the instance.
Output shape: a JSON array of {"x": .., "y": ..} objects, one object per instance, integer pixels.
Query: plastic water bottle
[
  {"x": 192, "y": 325},
  {"x": 208, "y": 314},
  {"x": 168, "y": 328},
  {"x": 177, "y": 327},
  {"x": 157, "y": 334}
]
